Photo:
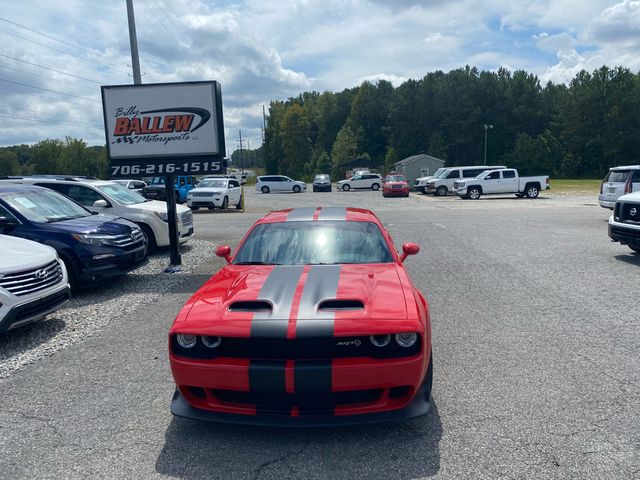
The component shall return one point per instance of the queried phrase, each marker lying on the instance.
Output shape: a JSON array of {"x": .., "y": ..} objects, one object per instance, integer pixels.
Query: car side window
[
  {"x": 83, "y": 195},
  {"x": 508, "y": 174},
  {"x": 356, "y": 177},
  {"x": 636, "y": 176},
  {"x": 233, "y": 184},
  {"x": 454, "y": 174},
  {"x": 493, "y": 176},
  {"x": 471, "y": 173},
  {"x": 7, "y": 214},
  {"x": 138, "y": 184}
]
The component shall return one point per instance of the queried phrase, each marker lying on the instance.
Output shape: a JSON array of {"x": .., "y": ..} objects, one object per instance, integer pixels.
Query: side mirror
[
  {"x": 409, "y": 249},
  {"x": 224, "y": 251},
  {"x": 100, "y": 204}
]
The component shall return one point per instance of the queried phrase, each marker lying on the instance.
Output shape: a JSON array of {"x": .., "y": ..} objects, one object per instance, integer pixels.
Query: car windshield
[
  {"x": 157, "y": 181},
  {"x": 44, "y": 206},
  {"x": 442, "y": 174},
  {"x": 395, "y": 178},
  {"x": 121, "y": 194},
  {"x": 321, "y": 177},
  {"x": 439, "y": 171},
  {"x": 618, "y": 176},
  {"x": 314, "y": 243},
  {"x": 212, "y": 183}
]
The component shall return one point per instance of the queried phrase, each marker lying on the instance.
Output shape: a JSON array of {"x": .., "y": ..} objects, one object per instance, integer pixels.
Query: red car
[
  {"x": 314, "y": 321},
  {"x": 395, "y": 186}
]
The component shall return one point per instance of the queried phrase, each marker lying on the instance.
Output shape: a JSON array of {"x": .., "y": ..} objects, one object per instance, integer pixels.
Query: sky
[{"x": 55, "y": 54}]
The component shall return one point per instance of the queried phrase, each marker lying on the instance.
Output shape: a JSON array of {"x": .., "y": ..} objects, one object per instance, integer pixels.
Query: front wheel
[
  {"x": 149, "y": 238},
  {"x": 474, "y": 193},
  {"x": 225, "y": 203},
  {"x": 441, "y": 191},
  {"x": 346, "y": 187},
  {"x": 265, "y": 189},
  {"x": 194, "y": 209},
  {"x": 532, "y": 191},
  {"x": 296, "y": 189},
  {"x": 375, "y": 187},
  {"x": 239, "y": 204}
]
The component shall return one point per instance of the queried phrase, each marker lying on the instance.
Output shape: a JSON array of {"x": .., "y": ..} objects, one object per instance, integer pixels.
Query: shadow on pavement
[
  {"x": 631, "y": 258},
  {"x": 402, "y": 450}
]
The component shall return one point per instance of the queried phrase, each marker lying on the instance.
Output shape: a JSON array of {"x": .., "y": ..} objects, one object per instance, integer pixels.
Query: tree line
[
  {"x": 577, "y": 130},
  {"x": 70, "y": 156}
]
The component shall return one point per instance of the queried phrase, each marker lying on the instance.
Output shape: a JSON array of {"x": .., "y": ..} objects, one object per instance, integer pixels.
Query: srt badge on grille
[
  {"x": 633, "y": 212},
  {"x": 40, "y": 274},
  {"x": 350, "y": 343}
]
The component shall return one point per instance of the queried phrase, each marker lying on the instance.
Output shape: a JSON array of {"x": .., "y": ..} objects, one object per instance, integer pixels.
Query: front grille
[
  {"x": 296, "y": 349},
  {"x": 31, "y": 281},
  {"x": 187, "y": 219},
  {"x": 203, "y": 194},
  {"x": 36, "y": 308},
  {"x": 130, "y": 240},
  {"x": 309, "y": 403},
  {"x": 628, "y": 212}
]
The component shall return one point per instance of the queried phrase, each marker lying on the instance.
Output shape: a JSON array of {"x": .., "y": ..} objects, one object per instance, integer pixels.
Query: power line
[
  {"x": 46, "y": 89},
  {"x": 40, "y": 120},
  {"x": 71, "y": 44},
  {"x": 39, "y": 95},
  {"x": 12, "y": 111},
  {"x": 24, "y": 72},
  {"x": 49, "y": 68}
]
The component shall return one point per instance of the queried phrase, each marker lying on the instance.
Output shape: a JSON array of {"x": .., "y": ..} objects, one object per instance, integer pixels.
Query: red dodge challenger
[
  {"x": 395, "y": 185},
  {"x": 313, "y": 322}
]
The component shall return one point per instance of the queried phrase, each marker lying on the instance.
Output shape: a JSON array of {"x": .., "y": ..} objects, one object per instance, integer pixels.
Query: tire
[
  {"x": 296, "y": 189},
  {"x": 265, "y": 189},
  {"x": 531, "y": 191},
  {"x": 149, "y": 237},
  {"x": 375, "y": 187},
  {"x": 225, "y": 203},
  {"x": 441, "y": 191},
  {"x": 71, "y": 273},
  {"x": 474, "y": 193},
  {"x": 315, "y": 189},
  {"x": 194, "y": 209},
  {"x": 384, "y": 195},
  {"x": 239, "y": 204},
  {"x": 346, "y": 187},
  {"x": 428, "y": 378}
]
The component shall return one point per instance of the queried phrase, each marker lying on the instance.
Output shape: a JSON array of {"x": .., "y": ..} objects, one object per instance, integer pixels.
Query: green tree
[
  {"x": 8, "y": 163},
  {"x": 46, "y": 156},
  {"x": 389, "y": 159},
  {"x": 438, "y": 146},
  {"x": 344, "y": 150},
  {"x": 296, "y": 146}
]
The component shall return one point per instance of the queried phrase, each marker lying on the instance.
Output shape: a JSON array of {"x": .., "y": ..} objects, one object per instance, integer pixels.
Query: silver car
[{"x": 617, "y": 182}]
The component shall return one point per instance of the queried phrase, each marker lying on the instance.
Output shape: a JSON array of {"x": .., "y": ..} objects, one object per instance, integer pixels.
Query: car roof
[
  {"x": 625, "y": 167},
  {"x": 19, "y": 187},
  {"x": 61, "y": 180},
  {"x": 309, "y": 214}
]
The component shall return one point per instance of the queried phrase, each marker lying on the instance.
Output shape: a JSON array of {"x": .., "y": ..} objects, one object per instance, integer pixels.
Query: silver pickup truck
[{"x": 501, "y": 181}]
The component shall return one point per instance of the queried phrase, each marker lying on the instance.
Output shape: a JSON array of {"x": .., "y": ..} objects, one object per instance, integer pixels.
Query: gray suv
[{"x": 617, "y": 182}]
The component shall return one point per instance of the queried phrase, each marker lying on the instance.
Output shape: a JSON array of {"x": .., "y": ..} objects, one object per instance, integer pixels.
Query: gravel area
[{"x": 91, "y": 310}]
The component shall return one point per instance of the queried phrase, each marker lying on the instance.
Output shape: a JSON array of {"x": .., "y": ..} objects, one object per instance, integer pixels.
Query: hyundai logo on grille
[
  {"x": 633, "y": 212},
  {"x": 42, "y": 273}
]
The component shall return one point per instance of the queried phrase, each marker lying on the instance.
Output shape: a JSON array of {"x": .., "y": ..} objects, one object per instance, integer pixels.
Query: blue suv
[{"x": 93, "y": 247}]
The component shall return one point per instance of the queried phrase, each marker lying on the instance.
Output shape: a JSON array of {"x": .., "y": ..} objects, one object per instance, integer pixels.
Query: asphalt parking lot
[{"x": 535, "y": 337}]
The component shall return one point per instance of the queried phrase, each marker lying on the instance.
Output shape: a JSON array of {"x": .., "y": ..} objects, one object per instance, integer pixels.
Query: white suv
[
  {"x": 421, "y": 182},
  {"x": 618, "y": 181},
  {"x": 624, "y": 224},
  {"x": 103, "y": 196},
  {"x": 33, "y": 282},
  {"x": 215, "y": 192},
  {"x": 279, "y": 183},
  {"x": 362, "y": 180}
]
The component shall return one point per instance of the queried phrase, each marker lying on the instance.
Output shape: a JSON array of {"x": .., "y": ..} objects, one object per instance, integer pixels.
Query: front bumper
[
  {"x": 34, "y": 309},
  {"x": 395, "y": 192},
  {"x": 301, "y": 393},
  {"x": 605, "y": 203},
  {"x": 322, "y": 187},
  {"x": 207, "y": 202},
  {"x": 429, "y": 189},
  {"x": 624, "y": 233},
  {"x": 120, "y": 264}
]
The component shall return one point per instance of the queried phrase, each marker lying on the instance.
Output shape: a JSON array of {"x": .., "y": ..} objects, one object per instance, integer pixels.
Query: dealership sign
[{"x": 155, "y": 129}]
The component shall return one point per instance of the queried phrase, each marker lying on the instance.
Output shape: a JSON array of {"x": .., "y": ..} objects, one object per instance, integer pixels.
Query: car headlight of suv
[
  {"x": 460, "y": 184},
  {"x": 164, "y": 216},
  {"x": 95, "y": 239}
]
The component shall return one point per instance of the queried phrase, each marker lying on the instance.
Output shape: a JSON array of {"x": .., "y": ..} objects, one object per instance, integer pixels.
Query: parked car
[
  {"x": 443, "y": 183},
  {"x": 93, "y": 247},
  {"x": 33, "y": 281},
  {"x": 279, "y": 183},
  {"x": 618, "y": 181},
  {"x": 322, "y": 183},
  {"x": 624, "y": 224},
  {"x": 156, "y": 190},
  {"x": 105, "y": 196},
  {"x": 368, "y": 180},
  {"x": 500, "y": 182},
  {"x": 395, "y": 186},
  {"x": 215, "y": 193},
  {"x": 421, "y": 182},
  {"x": 356, "y": 350},
  {"x": 135, "y": 185}
]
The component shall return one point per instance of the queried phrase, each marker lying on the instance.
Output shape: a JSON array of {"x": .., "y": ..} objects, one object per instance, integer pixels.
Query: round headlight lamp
[
  {"x": 380, "y": 340},
  {"x": 186, "y": 341},
  {"x": 406, "y": 340},
  {"x": 211, "y": 342}
]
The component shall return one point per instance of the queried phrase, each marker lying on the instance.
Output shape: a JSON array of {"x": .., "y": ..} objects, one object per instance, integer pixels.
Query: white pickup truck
[{"x": 505, "y": 180}]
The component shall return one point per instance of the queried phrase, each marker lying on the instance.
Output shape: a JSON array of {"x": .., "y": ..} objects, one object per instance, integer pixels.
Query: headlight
[
  {"x": 97, "y": 240},
  {"x": 406, "y": 340},
  {"x": 186, "y": 341},
  {"x": 164, "y": 216},
  {"x": 211, "y": 342},
  {"x": 461, "y": 184},
  {"x": 380, "y": 340}
]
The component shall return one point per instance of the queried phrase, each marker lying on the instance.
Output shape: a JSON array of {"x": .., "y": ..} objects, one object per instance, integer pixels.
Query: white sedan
[{"x": 215, "y": 193}]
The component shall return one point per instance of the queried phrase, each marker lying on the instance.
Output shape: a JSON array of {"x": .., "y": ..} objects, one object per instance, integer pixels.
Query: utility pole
[
  {"x": 486, "y": 127},
  {"x": 133, "y": 41},
  {"x": 241, "y": 162}
]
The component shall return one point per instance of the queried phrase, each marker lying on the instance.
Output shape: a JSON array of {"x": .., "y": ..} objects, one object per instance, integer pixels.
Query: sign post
[{"x": 164, "y": 129}]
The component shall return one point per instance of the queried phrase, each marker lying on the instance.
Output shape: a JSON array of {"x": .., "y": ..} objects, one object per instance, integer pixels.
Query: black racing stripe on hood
[
  {"x": 279, "y": 289},
  {"x": 301, "y": 214},
  {"x": 333, "y": 213},
  {"x": 321, "y": 284}
]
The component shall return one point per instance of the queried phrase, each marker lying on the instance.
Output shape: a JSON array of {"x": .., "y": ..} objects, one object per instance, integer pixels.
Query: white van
[{"x": 443, "y": 182}]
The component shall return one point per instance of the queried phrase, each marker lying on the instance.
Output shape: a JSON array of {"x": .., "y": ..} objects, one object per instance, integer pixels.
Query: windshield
[
  {"x": 157, "y": 181},
  {"x": 44, "y": 206},
  {"x": 395, "y": 178},
  {"x": 439, "y": 171},
  {"x": 212, "y": 183},
  {"x": 321, "y": 177},
  {"x": 315, "y": 243},
  {"x": 121, "y": 194},
  {"x": 442, "y": 174},
  {"x": 617, "y": 176}
]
